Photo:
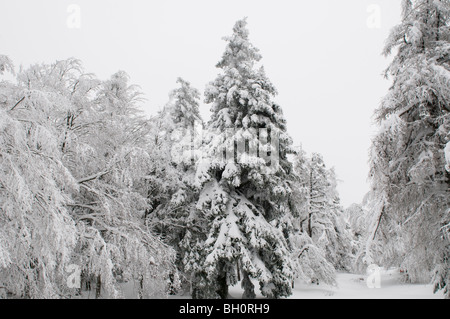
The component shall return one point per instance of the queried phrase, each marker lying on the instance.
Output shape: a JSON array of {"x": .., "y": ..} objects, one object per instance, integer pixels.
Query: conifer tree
[
  {"x": 176, "y": 141},
  {"x": 243, "y": 181},
  {"x": 410, "y": 185}
]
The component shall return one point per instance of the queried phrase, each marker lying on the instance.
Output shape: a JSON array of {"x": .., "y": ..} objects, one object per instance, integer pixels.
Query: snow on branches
[
  {"x": 447, "y": 157},
  {"x": 71, "y": 155}
]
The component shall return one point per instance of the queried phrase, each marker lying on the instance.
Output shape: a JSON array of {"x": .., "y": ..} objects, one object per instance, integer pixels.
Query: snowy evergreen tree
[
  {"x": 409, "y": 182},
  {"x": 243, "y": 196},
  {"x": 176, "y": 140},
  {"x": 186, "y": 106},
  {"x": 6, "y": 65}
]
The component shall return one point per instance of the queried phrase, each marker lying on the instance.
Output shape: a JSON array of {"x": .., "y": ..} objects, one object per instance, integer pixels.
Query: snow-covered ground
[{"x": 351, "y": 286}]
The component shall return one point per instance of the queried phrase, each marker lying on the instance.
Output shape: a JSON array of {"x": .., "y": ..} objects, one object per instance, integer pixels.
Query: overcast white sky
[{"x": 322, "y": 56}]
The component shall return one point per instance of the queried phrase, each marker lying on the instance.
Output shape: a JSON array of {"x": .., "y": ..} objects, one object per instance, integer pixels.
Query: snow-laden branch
[
  {"x": 447, "y": 157},
  {"x": 18, "y": 102},
  {"x": 92, "y": 177}
]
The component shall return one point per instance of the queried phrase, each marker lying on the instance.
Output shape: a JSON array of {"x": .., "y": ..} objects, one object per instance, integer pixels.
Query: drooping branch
[
  {"x": 92, "y": 177},
  {"x": 15, "y": 105},
  {"x": 378, "y": 223}
]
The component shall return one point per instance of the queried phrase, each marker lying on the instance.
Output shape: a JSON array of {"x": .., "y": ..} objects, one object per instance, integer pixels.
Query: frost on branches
[
  {"x": 241, "y": 199},
  {"x": 175, "y": 139},
  {"x": 447, "y": 157},
  {"x": 71, "y": 189},
  {"x": 6, "y": 65},
  {"x": 410, "y": 184},
  {"x": 321, "y": 238}
]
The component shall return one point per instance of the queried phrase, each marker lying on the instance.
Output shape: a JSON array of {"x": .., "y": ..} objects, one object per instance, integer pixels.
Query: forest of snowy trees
[{"x": 180, "y": 205}]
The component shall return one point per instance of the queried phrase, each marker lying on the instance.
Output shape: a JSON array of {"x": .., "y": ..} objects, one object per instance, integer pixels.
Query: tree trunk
[
  {"x": 222, "y": 283},
  {"x": 223, "y": 286},
  {"x": 310, "y": 200},
  {"x": 141, "y": 287},
  {"x": 310, "y": 225},
  {"x": 98, "y": 289},
  {"x": 193, "y": 143},
  {"x": 238, "y": 270},
  {"x": 249, "y": 288}
]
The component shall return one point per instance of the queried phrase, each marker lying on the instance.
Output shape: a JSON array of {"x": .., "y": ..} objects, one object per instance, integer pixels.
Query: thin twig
[{"x": 15, "y": 105}]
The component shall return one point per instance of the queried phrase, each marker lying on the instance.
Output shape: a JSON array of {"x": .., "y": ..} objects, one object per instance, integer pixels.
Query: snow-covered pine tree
[
  {"x": 177, "y": 140},
  {"x": 186, "y": 105},
  {"x": 243, "y": 196},
  {"x": 187, "y": 130},
  {"x": 409, "y": 182},
  {"x": 162, "y": 177},
  {"x": 6, "y": 65}
]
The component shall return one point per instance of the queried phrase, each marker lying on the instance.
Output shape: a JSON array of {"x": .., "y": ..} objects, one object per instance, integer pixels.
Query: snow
[
  {"x": 6, "y": 64},
  {"x": 447, "y": 157},
  {"x": 350, "y": 286},
  {"x": 353, "y": 286},
  {"x": 80, "y": 168}
]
